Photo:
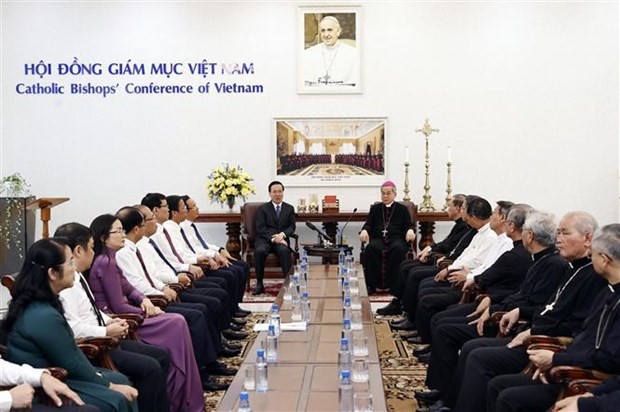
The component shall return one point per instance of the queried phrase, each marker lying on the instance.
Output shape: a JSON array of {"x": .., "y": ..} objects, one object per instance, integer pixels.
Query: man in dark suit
[
  {"x": 275, "y": 223},
  {"x": 387, "y": 231}
]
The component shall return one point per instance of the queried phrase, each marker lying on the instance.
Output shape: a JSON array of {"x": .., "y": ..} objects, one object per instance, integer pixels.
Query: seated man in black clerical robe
[{"x": 387, "y": 231}]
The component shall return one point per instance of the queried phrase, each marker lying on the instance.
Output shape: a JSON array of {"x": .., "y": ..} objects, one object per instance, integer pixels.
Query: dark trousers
[
  {"x": 241, "y": 270},
  {"x": 235, "y": 286},
  {"x": 147, "y": 368},
  {"x": 381, "y": 261},
  {"x": 449, "y": 335},
  {"x": 261, "y": 251},
  {"x": 481, "y": 360},
  {"x": 432, "y": 301},
  {"x": 399, "y": 284},
  {"x": 213, "y": 287},
  {"x": 519, "y": 393},
  {"x": 195, "y": 315},
  {"x": 410, "y": 295}
]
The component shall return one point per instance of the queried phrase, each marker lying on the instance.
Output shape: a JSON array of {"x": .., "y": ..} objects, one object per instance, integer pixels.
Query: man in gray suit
[{"x": 275, "y": 223}]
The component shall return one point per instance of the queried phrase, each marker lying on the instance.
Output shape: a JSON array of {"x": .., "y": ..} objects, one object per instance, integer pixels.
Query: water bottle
[
  {"x": 346, "y": 308},
  {"x": 274, "y": 318},
  {"x": 305, "y": 307},
  {"x": 262, "y": 384},
  {"x": 303, "y": 285},
  {"x": 304, "y": 269},
  {"x": 244, "y": 402},
  {"x": 344, "y": 356},
  {"x": 346, "y": 290},
  {"x": 295, "y": 287},
  {"x": 271, "y": 345},
  {"x": 341, "y": 257},
  {"x": 296, "y": 312},
  {"x": 347, "y": 332},
  {"x": 345, "y": 392}
]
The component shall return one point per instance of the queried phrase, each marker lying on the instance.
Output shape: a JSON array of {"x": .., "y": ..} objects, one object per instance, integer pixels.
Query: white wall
[{"x": 526, "y": 94}]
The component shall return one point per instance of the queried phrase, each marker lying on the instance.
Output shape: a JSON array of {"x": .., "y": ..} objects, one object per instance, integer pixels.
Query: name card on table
[{"x": 292, "y": 326}]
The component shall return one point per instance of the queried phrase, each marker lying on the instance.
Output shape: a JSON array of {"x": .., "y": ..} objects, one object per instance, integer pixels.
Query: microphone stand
[{"x": 345, "y": 225}]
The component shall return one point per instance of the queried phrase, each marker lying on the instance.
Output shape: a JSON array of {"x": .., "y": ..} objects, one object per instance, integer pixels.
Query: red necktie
[
  {"x": 169, "y": 239},
  {"x": 146, "y": 272}
]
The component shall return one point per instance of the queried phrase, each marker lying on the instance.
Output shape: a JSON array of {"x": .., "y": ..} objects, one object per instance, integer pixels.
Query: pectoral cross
[
  {"x": 385, "y": 232},
  {"x": 548, "y": 308}
]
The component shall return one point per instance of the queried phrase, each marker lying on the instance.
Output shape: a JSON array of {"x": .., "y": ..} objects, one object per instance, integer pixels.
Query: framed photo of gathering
[
  {"x": 329, "y": 50},
  {"x": 330, "y": 151}
]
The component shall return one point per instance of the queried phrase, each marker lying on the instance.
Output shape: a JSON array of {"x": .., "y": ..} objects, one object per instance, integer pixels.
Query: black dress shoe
[
  {"x": 409, "y": 334},
  {"x": 219, "y": 369},
  {"x": 232, "y": 335},
  {"x": 415, "y": 339},
  {"x": 405, "y": 325},
  {"x": 421, "y": 350},
  {"x": 240, "y": 322},
  {"x": 439, "y": 407},
  {"x": 428, "y": 397},
  {"x": 231, "y": 345},
  {"x": 393, "y": 308},
  {"x": 258, "y": 289},
  {"x": 425, "y": 358},
  {"x": 242, "y": 313},
  {"x": 228, "y": 352},
  {"x": 211, "y": 386},
  {"x": 235, "y": 327}
]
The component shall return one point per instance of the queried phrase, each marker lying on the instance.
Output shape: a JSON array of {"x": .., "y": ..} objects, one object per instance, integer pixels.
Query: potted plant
[
  {"x": 13, "y": 188},
  {"x": 227, "y": 183}
]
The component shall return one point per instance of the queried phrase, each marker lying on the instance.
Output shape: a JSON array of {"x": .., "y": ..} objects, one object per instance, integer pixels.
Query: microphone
[
  {"x": 319, "y": 231},
  {"x": 345, "y": 225}
]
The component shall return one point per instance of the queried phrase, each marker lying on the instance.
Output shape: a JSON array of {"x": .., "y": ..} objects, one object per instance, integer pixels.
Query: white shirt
[
  {"x": 477, "y": 251},
  {"x": 160, "y": 239},
  {"x": 174, "y": 231},
  {"x": 79, "y": 312},
  {"x": 158, "y": 269},
  {"x": 129, "y": 264},
  {"x": 502, "y": 245},
  {"x": 193, "y": 240},
  {"x": 13, "y": 374}
]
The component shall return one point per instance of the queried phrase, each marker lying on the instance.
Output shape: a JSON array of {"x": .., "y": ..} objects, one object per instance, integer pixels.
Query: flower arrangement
[
  {"x": 227, "y": 183},
  {"x": 12, "y": 188}
]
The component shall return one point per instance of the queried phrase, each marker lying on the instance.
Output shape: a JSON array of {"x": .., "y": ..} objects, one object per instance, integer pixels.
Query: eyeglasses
[
  {"x": 164, "y": 206},
  {"x": 114, "y": 232},
  {"x": 149, "y": 219}
]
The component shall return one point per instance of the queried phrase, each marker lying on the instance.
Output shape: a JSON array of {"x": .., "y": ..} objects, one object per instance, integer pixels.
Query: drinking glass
[{"x": 362, "y": 402}]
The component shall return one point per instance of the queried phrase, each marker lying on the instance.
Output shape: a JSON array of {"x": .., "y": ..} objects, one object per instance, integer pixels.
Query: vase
[{"x": 230, "y": 202}]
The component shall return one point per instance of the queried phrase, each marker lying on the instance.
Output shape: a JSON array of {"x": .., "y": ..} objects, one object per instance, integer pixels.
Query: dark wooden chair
[
  {"x": 412, "y": 252},
  {"x": 97, "y": 349},
  {"x": 248, "y": 239},
  {"x": 58, "y": 373}
]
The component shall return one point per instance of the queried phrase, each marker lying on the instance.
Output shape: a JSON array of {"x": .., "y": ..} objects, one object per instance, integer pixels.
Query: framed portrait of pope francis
[{"x": 329, "y": 50}]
